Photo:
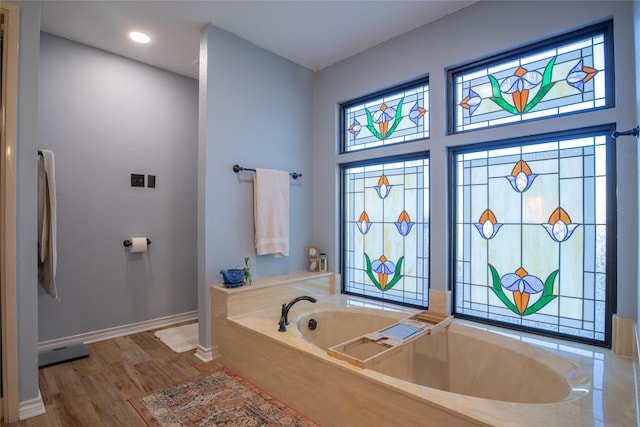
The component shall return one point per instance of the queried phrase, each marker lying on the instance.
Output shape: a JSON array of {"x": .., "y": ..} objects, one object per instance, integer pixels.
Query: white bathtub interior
[{"x": 457, "y": 359}]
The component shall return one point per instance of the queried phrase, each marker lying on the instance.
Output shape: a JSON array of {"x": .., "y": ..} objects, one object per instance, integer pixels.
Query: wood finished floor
[{"x": 93, "y": 391}]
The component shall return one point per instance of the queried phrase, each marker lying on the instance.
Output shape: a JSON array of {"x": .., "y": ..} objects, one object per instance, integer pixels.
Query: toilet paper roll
[{"x": 138, "y": 245}]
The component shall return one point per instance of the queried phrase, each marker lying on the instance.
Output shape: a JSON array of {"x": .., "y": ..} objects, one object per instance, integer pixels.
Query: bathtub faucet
[{"x": 284, "y": 315}]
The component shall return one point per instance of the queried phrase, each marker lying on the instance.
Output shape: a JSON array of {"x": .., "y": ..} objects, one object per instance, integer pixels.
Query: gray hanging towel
[{"x": 47, "y": 252}]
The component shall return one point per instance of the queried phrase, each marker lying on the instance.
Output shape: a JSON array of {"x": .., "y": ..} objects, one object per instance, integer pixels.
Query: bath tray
[{"x": 371, "y": 348}]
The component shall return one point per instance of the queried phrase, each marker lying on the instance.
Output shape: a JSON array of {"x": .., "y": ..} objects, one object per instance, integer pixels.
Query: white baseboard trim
[
  {"x": 206, "y": 354},
  {"x": 118, "y": 331},
  {"x": 637, "y": 342},
  {"x": 31, "y": 408}
]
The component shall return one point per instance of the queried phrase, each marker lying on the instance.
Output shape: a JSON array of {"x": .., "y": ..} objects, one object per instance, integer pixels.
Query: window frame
[
  {"x": 419, "y": 155},
  {"x": 611, "y": 226},
  {"x": 423, "y": 80},
  {"x": 604, "y": 27}
]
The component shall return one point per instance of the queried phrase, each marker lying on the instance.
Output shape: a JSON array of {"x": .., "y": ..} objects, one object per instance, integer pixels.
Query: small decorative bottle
[
  {"x": 247, "y": 271},
  {"x": 323, "y": 262}
]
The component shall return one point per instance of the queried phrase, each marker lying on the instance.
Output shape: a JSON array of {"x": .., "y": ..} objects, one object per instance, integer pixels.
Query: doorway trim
[{"x": 9, "y": 407}]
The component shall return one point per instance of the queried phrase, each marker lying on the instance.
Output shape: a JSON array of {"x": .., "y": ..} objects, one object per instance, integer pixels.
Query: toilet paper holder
[{"x": 128, "y": 242}]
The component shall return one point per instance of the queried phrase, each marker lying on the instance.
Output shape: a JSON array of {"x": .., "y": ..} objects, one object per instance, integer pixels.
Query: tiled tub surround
[{"x": 334, "y": 393}]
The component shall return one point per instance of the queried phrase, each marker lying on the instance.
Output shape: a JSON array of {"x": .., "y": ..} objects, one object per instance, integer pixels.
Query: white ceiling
[{"x": 314, "y": 34}]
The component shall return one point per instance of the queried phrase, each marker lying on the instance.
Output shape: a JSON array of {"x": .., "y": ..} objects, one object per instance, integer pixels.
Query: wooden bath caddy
[{"x": 371, "y": 348}]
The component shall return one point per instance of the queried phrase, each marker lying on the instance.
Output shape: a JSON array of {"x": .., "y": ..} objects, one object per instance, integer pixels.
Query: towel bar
[
  {"x": 631, "y": 132},
  {"x": 236, "y": 169}
]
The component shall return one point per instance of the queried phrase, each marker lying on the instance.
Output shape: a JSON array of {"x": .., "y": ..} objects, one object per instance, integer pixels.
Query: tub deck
[{"x": 334, "y": 392}]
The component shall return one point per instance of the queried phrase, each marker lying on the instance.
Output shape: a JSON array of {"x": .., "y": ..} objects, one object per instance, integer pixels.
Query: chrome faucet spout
[{"x": 284, "y": 314}]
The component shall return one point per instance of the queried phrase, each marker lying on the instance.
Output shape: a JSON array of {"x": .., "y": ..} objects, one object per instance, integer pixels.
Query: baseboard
[
  {"x": 624, "y": 337},
  {"x": 206, "y": 354},
  {"x": 31, "y": 408},
  {"x": 635, "y": 332},
  {"x": 118, "y": 331},
  {"x": 637, "y": 364}
]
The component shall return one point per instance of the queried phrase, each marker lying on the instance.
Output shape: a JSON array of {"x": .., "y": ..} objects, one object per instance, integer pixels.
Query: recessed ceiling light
[{"x": 139, "y": 37}]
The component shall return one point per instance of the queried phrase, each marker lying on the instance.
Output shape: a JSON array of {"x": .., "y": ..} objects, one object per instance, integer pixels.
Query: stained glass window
[
  {"x": 564, "y": 75},
  {"x": 385, "y": 231},
  {"x": 396, "y": 116},
  {"x": 532, "y": 237}
]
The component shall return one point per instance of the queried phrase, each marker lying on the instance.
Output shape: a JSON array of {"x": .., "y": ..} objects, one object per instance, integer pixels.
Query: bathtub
[
  {"x": 461, "y": 376},
  {"x": 448, "y": 360}
]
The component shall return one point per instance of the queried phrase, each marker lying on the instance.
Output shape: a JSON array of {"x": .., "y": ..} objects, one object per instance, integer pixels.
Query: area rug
[
  {"x": 180, "y": 338},
  {"x": 219, "y": 398}
]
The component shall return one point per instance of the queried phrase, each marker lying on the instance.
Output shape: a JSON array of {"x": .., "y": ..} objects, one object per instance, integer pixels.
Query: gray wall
[
  {"x": 480, "y": 30},
  {"x": 105, "y": 117},
  {"x": 256, "y": 111}
]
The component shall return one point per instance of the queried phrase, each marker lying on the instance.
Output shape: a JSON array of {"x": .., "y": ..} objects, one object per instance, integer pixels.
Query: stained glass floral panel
[
  {"x": 398, "y": 116},
  {"x": 385, "y": 230},
  {"x": 531, "y": 235},
  {"x": 567, "y": 75}
]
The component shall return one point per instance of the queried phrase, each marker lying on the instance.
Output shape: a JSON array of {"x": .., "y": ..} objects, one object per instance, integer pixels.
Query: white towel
[
  {"x": 271, "y": 211},
  {"x": 47, "y": 252}
]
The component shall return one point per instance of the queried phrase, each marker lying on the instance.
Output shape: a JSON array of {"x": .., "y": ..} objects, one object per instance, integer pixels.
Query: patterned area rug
[{"x": 219, "y": 398}]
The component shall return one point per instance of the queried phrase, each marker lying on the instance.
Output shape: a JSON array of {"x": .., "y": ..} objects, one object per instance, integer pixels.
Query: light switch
[{"x": 137, "y": 180}]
